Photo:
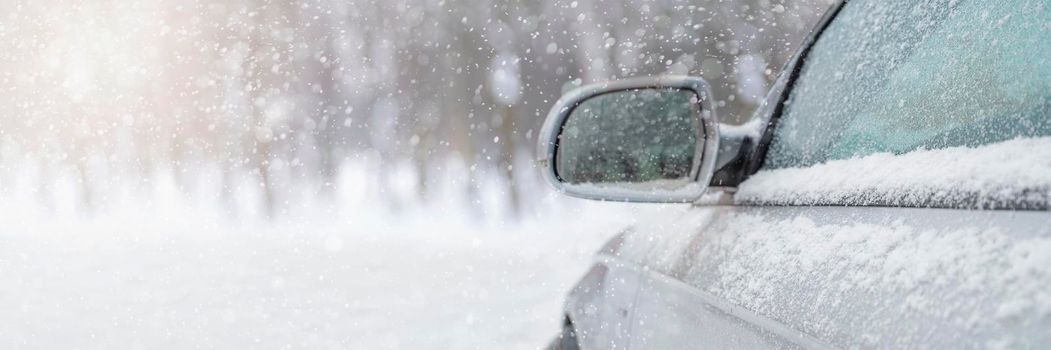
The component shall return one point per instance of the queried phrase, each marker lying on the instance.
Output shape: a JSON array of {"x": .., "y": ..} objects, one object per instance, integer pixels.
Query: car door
[
  {"x": 602, "y": 304},
  {"x": 902, "y": 201}
]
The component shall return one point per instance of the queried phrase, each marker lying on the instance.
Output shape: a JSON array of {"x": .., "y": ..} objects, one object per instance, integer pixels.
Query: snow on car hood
[{"x": 1011, "y": 174}]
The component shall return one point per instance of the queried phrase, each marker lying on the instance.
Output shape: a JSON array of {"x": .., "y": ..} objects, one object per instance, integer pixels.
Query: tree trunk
[{"x": 507, "y": 154}]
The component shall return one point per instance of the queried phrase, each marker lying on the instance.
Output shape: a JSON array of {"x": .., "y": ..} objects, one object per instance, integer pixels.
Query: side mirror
[{"x": 636, "y": 140}]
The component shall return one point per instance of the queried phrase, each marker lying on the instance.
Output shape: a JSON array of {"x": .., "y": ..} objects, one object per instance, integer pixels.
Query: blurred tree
[{"x": 288, "y": 92}]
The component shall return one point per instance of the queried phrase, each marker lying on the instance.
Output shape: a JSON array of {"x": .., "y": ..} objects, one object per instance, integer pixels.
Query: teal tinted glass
[{"x": 900, "y": 75}]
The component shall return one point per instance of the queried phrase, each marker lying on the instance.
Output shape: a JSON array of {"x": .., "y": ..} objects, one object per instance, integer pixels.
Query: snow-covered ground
[{"x": 419, "y": 279}]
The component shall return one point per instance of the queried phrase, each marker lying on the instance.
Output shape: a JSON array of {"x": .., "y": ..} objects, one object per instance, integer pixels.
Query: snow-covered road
[{"x": 382, "y": 282}]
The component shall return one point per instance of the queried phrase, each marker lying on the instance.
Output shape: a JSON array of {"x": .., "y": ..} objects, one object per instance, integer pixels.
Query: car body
[{"x": 919, "y": 220}]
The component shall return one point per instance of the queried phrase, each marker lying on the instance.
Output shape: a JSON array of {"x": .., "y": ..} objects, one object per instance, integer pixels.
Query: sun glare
[
  {"x": 78, "y": 76},
  {"x": 104, "y": 48},
  {"x": 77, "y": 68}
]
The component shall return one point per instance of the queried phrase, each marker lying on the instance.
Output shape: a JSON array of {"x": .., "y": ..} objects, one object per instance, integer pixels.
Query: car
[{"x": 892, "y": 191}]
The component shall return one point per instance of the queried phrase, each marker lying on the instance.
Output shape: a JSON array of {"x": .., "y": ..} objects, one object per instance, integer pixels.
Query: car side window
[{"x": 900, "y": 75}]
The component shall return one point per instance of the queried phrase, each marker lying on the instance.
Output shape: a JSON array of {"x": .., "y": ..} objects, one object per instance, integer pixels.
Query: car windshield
[{"x": 898, "y": 76}]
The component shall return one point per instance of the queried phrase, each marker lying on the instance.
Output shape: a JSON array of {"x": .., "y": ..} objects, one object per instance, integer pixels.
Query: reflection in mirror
[{"x": 643, "y": 139}]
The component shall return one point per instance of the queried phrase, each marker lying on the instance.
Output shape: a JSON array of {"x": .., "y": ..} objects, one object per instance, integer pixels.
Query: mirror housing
[{"x": 634, "y": 140}]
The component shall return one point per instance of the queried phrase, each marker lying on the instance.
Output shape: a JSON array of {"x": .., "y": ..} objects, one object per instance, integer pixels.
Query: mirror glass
[{"x": 642, "y": 139}]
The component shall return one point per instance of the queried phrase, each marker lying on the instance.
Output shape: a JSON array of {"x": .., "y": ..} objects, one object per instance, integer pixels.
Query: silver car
[{"x": 892, "y": 191}]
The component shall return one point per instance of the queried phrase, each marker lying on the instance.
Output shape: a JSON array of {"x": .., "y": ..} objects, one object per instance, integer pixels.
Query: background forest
[{"x": 264, "y": 108}]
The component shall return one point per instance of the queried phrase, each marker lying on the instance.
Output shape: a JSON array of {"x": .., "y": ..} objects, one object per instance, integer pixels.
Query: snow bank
[
  {"x": 1014, "y": 174},
  {"x": 151, "y": 265},
  {"x": 421, "y": 279}
]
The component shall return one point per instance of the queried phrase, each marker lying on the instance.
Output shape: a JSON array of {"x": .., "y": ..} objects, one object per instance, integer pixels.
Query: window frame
[
  {"x": 774, "y": 104},
  {"x": 748, "y": 159}
]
